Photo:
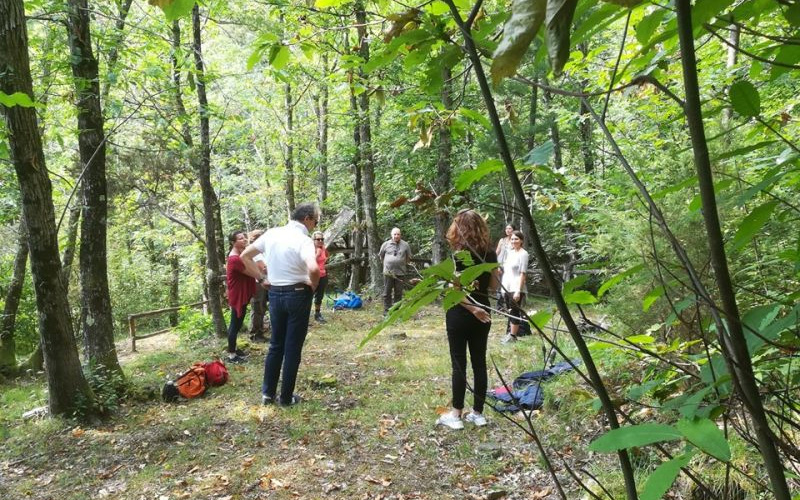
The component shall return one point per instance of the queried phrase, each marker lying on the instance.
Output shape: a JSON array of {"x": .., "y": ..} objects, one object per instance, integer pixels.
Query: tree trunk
[
  {"x": 8, "y": 347},
  {"x": 113, "y": 53},
  {"x": 367, "y": 159},
  {"x": 209, "y": 196},
  {"x": 444, "y": 168},
  {"x": 97, "y": 321},
  {"x": 174, "y": 284},
  {"x": 322, "y": 133},
  {"x": 357, "y": 236},
  {"x": 289, "y": 155},
  {"x": 585, "y": 125},
  {"x": 65, "y": 381},
  {"x": 732, "y": 340}
]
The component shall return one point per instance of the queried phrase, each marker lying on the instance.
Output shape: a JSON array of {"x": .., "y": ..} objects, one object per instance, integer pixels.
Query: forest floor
[{"x": 364, "y": 430}]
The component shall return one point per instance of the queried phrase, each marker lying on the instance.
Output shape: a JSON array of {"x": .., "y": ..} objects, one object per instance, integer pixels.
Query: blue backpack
[{"x": 347, "y": 300}]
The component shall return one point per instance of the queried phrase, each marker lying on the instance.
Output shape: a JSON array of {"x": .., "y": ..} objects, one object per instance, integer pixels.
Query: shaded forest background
[{"x": 649, "y": 150}]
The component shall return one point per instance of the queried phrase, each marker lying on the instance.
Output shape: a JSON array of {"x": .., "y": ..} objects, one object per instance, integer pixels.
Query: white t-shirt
[
  {"x": 285, "y": 250},
  {"x": 515, "y": 264}
]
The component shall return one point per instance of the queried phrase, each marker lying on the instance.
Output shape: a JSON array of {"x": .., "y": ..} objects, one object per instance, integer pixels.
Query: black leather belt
[{"x": 297, "y": 287}]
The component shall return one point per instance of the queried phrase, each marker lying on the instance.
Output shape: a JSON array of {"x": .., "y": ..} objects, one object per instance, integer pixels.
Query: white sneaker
[
  {"x": 449, "y": 420},
  {"x": 509, "y": 338},
  {"x": 476, "y": 418}
]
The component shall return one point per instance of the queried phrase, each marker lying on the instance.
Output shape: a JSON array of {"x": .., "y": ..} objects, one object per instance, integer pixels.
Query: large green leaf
[
  {"x": 174, "y": 9},
  {"x": 326, "y": 4},
  {"x": 662, "y": 478},
  {"x": 574, "y": 283},
  {"x": 647, "y": 26},
  {"x": 477, "y": 117},
  {"x": 518, "y": 33},
  {"x": 616, "y": 279},
  {"x": 651, "y": 297},
  {"x": 278, "y": 56},
  {"x": 792, "y": 14},
  {"x": 558, "y": 22},
  {"x": 469, "y": 177},
  {"x": 705, "y": 434},
  {"x": 580, "y": 297},
  {"x": 452, "y": 297},
  {"x": 745, "y": 99},
  {"x": 787, "y": 55},
  {"x": 743, "y": 150},
  {"x": 16, "y": 99},
  {"x": 752, "y": 224},
  {"x": 705, "y": 10},
  {"x": 541, "y": 318},
  {"x": 634, "y": 435},
  {"x": 540, "y": 155},
  {"x": 472, "y": 273}
]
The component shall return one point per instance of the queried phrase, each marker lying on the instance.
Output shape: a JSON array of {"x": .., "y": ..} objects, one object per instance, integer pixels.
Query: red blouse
[{"x": 241, "y": 287}]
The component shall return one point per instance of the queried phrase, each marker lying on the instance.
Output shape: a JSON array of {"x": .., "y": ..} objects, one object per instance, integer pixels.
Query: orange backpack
[{"x": 192, "y": 383}]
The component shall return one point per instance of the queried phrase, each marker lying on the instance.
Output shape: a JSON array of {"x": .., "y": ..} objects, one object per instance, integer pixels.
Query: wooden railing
[{"x": 133, "y": 317}]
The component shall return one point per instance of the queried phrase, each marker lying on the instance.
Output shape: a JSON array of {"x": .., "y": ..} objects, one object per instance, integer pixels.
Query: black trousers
[{"x": 466, "y": 333}]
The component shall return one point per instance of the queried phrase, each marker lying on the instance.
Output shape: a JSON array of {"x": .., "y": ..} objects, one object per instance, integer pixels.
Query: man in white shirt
[{"x": 292, "y": 276}]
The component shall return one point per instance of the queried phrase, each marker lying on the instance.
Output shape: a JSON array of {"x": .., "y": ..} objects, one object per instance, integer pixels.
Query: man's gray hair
[{"x": 304, "y": 210}]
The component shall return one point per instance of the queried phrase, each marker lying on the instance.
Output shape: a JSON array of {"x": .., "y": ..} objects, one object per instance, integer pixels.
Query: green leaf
[
  {"x": 177, "y": 9},
  {"x": 518, "y": 33},
  {"x": 254, "y": 58},
  {"x": 438, "y": 8},
  {"x": 326, "y": 4},
  {"x": 278, "y": 56},
  {"x": 792, "y": 14},
  {"x": 752, "y": 224},
  {"x": 16, "y": 99},
  {"x": 477, "y": 117},
  {"x": 651, "y": 297},
  {"x": 691, "y": 181},
  {"x": 452, "y": 297},
  {"x": 705, "y": 10},
  {"x": 744, "y": 150},
  {"x": 574, "y": 283},
  {"x": 541, "y": 318},
  {"x": 634, "y": 435},
  {"x": 616, "y": 279},
  {"x": 744, "y": 98},
  {"x": 705, "y": 434},
  {"x": 647, "y": 26},
  {"x": 580, "y": 297},
  {"x": 540, "y": 155},
  {"x": 787, "y": 54},
  {"x": 640, "y": 339},
  {"x": 445, "y": 270},
  {"x": 472, "y": 273},
  {"x": 688, "y": 408},
  {"x": 662, "y": 478},
  {"x": 469, "y": 177},
  {"x": 558, "y": 21}
]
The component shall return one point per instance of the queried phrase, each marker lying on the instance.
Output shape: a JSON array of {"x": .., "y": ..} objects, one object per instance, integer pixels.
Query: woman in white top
[
  {"x": 504, "y": 245},
  {"x": 515, "y": 267}
]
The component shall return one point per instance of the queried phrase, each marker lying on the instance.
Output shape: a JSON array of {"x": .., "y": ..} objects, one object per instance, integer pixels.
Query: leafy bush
[
  {"x": 109, "y": 389},
  {"x": 193, "y": 325}
]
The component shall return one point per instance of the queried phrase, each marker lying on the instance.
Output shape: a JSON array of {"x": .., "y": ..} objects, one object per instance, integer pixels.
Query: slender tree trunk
[
  {"x": 367, "y": 159},
  {"x": 444, "y": 168},
  {"x": 322, "y": 134},
  {"x": 8, "y": 347},
  {"x": 113, "y": 53},
  {"x": 289, "y": 154},
  {"x": 174, "y": 284},
  {"x": 357, "y": 236},
  {"x": 539, "y": 253},
  {"x": 204, "y": 173},
  {"x": 97, "y": 321},
  {"x": 733, "y": 341},
  {"x": 733, "y": 53},
  {"x": 65, "y": 381}
]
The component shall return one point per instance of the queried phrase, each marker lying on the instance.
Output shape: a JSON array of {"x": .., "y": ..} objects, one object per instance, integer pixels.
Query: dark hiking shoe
[{"x": 295, "y": 400}]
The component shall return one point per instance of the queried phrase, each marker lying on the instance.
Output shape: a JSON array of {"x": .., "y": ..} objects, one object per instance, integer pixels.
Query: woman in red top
[
  {"x": 322, "y": 257},
  {"x": 241, "y": 289}
]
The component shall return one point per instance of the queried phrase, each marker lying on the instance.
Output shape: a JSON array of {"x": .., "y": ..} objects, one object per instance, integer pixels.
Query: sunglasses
[{"x": 319, "y": 239}]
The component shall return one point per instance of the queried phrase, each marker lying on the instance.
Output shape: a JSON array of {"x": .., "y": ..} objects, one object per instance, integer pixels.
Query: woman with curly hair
[{"x": 468, "y": 322}]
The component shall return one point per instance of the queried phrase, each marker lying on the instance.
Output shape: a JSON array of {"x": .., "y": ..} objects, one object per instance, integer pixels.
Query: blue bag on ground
[
  {"x": 347, "y": 300},
  {"x": 526, "y": 391}
]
